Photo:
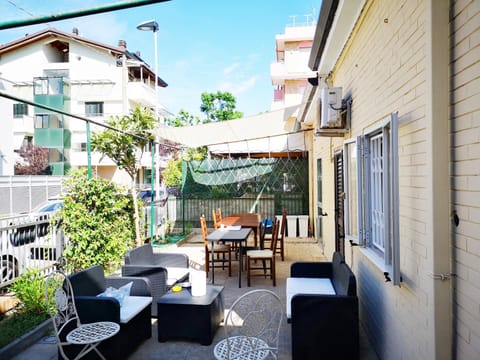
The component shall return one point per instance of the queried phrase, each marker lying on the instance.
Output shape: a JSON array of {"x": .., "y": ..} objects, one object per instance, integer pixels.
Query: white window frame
[
  {"x": 351, "y": 149},
  {"x": 383, "y": 197}
]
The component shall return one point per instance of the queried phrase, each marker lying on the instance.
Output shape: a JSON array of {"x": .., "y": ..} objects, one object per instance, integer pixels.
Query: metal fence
[
  {"x": 28, "y": 242},
  {"x": 187, "y": 212},
  {"x": 20, "y": 194}
]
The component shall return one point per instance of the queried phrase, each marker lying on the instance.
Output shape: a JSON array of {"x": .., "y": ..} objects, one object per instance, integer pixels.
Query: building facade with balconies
[
  {"x": 79, "y": 76},
  {"x": 290, "y": 72}
]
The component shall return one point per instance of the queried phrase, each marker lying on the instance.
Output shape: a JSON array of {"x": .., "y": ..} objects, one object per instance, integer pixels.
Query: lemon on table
[{"x": 176, "y": 288}]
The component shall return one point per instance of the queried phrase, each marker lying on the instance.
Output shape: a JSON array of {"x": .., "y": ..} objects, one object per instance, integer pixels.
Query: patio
[{"x": 305, "y": 249}]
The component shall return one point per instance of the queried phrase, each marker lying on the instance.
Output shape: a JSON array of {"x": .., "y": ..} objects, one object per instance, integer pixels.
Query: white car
[{"x": 28, "y": 241}]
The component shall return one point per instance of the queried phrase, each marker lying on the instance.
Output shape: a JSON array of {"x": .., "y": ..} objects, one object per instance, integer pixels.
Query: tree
[
  {"x": 35, "y": 161},
  {"x": 219, "y": 106},
  {"x": 198, "y": 153},
  {"x": 184, "y": 118},
  {"x": 172, "y": 175},
  {"x": 126, "y": 148},
  {"x": 97, "y": 219}
]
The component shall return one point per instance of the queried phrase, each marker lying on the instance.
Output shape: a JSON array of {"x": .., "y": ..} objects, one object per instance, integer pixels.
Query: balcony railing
[
  {"x": 141, "y": 92},
  {"x": 278, "y": 95}
]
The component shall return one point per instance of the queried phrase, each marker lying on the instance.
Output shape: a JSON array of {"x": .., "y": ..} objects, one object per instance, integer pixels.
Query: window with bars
[
  {"x": 377, "y": 214},
  {"x": 372, "y": 209}
]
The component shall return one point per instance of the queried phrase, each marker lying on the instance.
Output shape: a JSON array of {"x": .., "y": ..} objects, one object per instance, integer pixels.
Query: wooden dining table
[
  {"x": 245, "y": 220},
  {"x": 234, "y": 236}
]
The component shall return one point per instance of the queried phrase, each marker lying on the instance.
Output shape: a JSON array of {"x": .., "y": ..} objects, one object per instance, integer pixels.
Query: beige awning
[{"x": 262, "y": 126}]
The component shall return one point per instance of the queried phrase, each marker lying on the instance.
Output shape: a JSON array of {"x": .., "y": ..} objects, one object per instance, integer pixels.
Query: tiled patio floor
[{"x": 296, "y": 249}]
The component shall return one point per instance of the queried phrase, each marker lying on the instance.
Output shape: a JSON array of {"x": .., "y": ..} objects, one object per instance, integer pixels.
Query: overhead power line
[{"x": 77, "y": 13}]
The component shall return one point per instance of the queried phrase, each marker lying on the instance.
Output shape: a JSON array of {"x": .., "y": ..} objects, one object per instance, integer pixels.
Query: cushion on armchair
[
  {"x": 118, "y": 294},
  {"x": 162, "y": 270},
  {"x": 132, "y": 306},
  {"x": 134, "y": 316},
  {"x": 297, "y": 286}
]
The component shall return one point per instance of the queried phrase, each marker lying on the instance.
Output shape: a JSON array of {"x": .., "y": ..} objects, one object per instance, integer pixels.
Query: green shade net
[
  {"x": 233, "y": 178},
  {"x": 229, "y": 171}
]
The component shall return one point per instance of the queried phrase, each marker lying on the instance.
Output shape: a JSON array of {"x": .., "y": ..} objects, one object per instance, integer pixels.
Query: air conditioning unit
[{"x": 330, "y": 108}]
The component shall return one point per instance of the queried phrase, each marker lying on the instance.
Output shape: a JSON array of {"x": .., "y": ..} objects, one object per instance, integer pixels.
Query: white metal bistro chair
[
  {"x": 66, "y": 323},
  {"x": 252, "y": 327}
]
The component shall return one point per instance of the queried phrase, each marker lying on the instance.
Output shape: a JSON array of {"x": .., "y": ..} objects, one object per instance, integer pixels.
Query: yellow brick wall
[
  {"x": 465, "y": 127},
  {"x": 383, "y": 68}
]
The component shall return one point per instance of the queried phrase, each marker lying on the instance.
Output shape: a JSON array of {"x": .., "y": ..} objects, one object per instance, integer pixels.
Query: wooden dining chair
[
  {"x": 217, "y": 222},
  {"x": 217, "y": 218},
  {"x": 219, "y": 249},
  {"x": 262, "y": 262},
  {"x": 280, "y": 249}
]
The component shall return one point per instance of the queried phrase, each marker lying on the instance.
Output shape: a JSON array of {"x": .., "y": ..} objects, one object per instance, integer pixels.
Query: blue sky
[{"x": 206, "y": 45}]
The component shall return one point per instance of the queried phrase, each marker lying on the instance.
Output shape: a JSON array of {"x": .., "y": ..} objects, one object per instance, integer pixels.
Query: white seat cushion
[
  {"x": 132, "y": 305},
  {"x": 260, "y": 253},
  {"x": 296, "y": 286},
  {"x": 176, "y": 274}
]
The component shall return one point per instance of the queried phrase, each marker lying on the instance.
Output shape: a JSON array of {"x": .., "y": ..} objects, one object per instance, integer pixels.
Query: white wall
[{"x": 7, "y": 160}]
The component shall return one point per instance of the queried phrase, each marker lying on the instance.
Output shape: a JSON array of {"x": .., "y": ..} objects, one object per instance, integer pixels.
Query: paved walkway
[{"x": 304, "y": 249}]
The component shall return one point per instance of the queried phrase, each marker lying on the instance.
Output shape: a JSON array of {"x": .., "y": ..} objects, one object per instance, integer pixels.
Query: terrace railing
[{"x": 28, "y": 242}]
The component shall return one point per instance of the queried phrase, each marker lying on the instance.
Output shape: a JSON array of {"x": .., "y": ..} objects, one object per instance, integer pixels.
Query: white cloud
[
  {"x": 238, "y": 87},
  {"x": 228, "y": 70}
]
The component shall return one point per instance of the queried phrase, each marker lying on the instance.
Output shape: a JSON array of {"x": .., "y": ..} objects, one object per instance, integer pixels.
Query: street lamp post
[{"x": 152, "y": 25}]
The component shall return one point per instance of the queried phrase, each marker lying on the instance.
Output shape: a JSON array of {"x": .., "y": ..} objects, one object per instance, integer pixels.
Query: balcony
[
  {"x": 23, "y": 125},
  {"x": 80, "y": 158},
  {"x": 289, "y": 70},
  {"x": 53, "y": 138},
  {"x": 278, "y": 95},
  {"x": 59, "y": 167},
  {"x": 278, "y": 73},
  {"x": 142, "y": 93}
]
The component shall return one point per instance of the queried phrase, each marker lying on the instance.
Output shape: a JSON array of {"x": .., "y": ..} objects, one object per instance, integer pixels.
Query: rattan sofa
[
  {"x": 163, "y": 270},
  {"x": 322, "y": 307},
  {"x": 133, "y": 315}
]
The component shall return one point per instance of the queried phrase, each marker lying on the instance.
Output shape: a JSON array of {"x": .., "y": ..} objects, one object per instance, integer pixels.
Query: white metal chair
[
  {"x": 66, "y": 323},
  {"x": 252, "y": 327}
]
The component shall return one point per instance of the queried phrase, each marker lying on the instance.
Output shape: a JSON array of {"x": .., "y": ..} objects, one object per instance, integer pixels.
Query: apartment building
[
  {"x": 394, "y": 157},
  {"x": 290, "y": 72},
  {"x": 79, "y": 76}
]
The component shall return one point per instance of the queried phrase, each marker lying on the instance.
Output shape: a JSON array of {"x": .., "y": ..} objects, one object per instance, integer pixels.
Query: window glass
[
  {"x": 377, "y": 213},
  {"x": 94, "y": 108},
  {"x": 19, "y": 110},
  {"x": 351, "y": 190},
  {"x": 372, "y": 207},
  {"x": 319, "y": 232},
  {"x": 41, "y": 121}
]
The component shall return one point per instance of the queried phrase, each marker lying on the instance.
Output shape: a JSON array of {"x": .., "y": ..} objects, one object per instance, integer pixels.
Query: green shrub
[
  {"x": 30, "y": 290},
  {"x": 98, "y": 221}
]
